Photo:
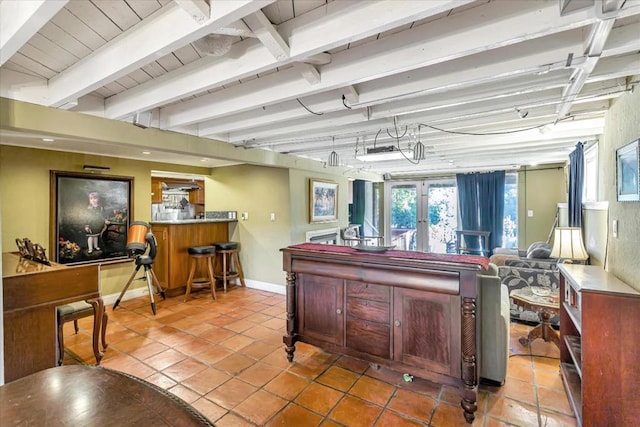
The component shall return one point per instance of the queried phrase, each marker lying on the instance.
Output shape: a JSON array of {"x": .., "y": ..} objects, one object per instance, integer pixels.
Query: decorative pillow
[{"x": 539, "y": 250}]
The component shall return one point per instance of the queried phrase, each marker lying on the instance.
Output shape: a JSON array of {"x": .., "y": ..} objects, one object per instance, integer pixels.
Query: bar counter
[{"x": 174, "y": 238}]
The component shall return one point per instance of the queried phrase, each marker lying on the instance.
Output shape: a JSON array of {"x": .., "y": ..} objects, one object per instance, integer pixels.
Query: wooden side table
[{"x": 546, "y": 306}]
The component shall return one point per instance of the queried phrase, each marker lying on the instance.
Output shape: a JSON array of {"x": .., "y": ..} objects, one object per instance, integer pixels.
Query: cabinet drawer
[
  {"x": 368, "y": 310},
  {"x": 368, "y": 291},
  {"x": 369, "y": 337}
]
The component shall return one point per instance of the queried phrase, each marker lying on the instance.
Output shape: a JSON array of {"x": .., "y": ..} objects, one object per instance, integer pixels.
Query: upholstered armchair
[
  {"x": 521, "y": 273},
  {"x": 494, "y": 326}
]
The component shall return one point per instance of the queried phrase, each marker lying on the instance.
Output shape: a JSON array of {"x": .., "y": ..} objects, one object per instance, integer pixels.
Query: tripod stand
[{"x": 147, "y": 262}]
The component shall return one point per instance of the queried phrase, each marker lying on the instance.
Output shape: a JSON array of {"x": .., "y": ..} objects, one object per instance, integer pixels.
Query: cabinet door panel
[
  {"x": 320, "y": 303},
  {"x": 426, "y": 325},
  {"x": 368, "y": 310},
  {"x": 368, "y": 291},
  {"x": 369, "y": 337}
]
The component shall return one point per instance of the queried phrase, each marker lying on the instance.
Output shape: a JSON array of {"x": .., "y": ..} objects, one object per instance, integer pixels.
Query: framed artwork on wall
[
  {"x": 90, "y": 216},
  {"x": 323, "y": 201},
  {"x": 628, "y": 172}
]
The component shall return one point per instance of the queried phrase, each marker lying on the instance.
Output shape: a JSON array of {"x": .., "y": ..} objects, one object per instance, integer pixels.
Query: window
[
  {"x": 510, "y": 223},
  {"x": 590, "y": 190}
]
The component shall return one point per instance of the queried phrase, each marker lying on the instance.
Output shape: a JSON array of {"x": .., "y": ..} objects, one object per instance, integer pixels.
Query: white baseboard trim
[
  {"x": 265, "y": 286},
  {"x": 142, "y": 291},
  {"x": 130, "y": 294}
]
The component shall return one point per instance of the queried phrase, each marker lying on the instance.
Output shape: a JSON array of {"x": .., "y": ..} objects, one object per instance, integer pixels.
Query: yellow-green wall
[
  {"x": 299, "y": 191},
  {"x": 24, "y": 189},
  {"x": 259, "y": 191},
  {"x": 540, "y": 189},
  {"x": 622, "y": 127}
]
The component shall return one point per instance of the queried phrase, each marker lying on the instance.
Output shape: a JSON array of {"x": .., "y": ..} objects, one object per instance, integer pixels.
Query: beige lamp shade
[{"x": 567, "y": 244}]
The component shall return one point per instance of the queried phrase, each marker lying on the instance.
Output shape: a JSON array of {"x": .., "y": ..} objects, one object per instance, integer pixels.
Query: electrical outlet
[
  {"x": 530, "y": 213},
  {"x": 245, "y": 215},
  {"x": 272, "y": 216},
  {"x": 614, "y": 228}
]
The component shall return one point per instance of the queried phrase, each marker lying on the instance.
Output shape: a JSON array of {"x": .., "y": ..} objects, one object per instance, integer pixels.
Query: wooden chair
[{"x": 74, "y": 311}]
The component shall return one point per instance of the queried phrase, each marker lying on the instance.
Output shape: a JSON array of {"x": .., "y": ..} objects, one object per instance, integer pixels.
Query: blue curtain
[
  {"x": 357, "y": 216},
  {"x": 481, "y": 206},
  {"x": 468, "y": 206},
  {"x": 576, "y": 184},
  {"x": 491, "y": 205}
]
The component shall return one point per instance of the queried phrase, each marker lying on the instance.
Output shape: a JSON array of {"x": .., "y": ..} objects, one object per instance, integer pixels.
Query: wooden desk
[
  {"x": 412, "y": 311},
  {"x": 31, "y": 292}
]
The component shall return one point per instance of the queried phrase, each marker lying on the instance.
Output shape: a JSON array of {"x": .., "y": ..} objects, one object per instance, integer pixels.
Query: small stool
[
  {"x": 229, "y": 252},
  {"x": 74, "y": 311},
  {"x": 196, "y": 253}
]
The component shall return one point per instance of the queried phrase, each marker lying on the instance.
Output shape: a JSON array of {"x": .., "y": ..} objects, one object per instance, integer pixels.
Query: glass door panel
[
  {"x": 441, "y": 200},
  {"x": 402, "y": 210},
  {"x": 422, "y": 215}
]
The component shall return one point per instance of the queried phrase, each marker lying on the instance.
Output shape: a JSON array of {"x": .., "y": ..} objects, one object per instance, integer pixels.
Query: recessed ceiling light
[
  {"x": 146, "y": 152},
  {"x": 204, "y": 160},
  {"x": 48, "y": 139}
]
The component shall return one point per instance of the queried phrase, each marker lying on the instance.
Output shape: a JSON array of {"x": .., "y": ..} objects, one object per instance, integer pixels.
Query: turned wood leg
[
  {"x": 543, "y": 330},
  {"x": 469, "y": 359},
  {"x": 98, "y": 309},
  {"x": 290, "y": 338}
]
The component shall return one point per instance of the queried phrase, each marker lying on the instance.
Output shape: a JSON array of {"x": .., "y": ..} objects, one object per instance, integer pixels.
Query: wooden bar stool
[
  {"x": 229, "y": 254},
  {"x": 74, "y": 311},
  {"x": 208, "y": 254}
]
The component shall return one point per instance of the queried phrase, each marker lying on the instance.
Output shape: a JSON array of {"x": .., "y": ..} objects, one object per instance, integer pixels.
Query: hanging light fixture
[
  {"x": 334, "y": 159},
  {"x": 418, "y": 149}
]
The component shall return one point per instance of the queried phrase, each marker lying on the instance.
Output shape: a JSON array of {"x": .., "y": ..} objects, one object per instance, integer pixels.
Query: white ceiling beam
[
  {"x": 494, "y": 90},
  {"x": 311, "y": 123},
  {"x": 618, "y": 66},
  {"x": 448, "y": 117},
  {"x": 594, "y": 43},
  {"x": 321, "y": 103},
  {"x": 268, "y": 35},
  {"x": 510, "y": 22},
  {"x": 166, "y": 30},
  {"x": 622, "y": 40},
  {"x": 198, "y": 9},
  {"x": 251, "y": 59},
  {"x": 238, "y": 28},
  {"x": 318, "y": 59},
  {"x": 351, "y": 95},
  {"x": 460, "y": 73},
  {"x": 20, "y": 20},
  {"x": 309, "y": 72}
]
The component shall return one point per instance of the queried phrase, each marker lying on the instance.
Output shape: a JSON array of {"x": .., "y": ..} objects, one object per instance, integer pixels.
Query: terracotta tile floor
[{"x": 226, "y": 358}]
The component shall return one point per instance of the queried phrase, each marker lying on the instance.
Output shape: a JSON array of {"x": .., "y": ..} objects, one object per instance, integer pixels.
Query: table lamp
[{"x": 567, "y": 244}]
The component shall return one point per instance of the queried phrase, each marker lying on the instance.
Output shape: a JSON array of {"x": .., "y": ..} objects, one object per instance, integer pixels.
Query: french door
[{"x": 422, "y": 215}]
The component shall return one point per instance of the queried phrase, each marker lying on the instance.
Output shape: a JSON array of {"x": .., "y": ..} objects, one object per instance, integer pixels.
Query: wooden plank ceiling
[{"x": 482, "y": 85}]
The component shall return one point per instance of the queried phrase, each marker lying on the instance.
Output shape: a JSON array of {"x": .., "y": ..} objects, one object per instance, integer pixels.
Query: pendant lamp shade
[
  {"x": 418, "y": 151},
  {"x": 334, "y": 159}
]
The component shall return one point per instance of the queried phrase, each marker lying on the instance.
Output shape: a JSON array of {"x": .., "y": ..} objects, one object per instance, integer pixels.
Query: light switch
[
  {"x": 245, "y": 215},
  {"x": 530, "y": 213},
  {"x": 272, "y": 216},
  {"x": 614, "y": 228}
]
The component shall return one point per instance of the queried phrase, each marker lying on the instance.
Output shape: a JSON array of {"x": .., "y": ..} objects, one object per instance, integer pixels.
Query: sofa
[
  {"x": 494, "y": 326},
  {"x": 523, "y": 272}
]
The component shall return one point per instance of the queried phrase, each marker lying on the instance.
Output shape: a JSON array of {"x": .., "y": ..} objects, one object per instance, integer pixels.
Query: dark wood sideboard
[
  {"x": 412, "y": 315},
  {"x": 31, "y": 291},
  {"x": 599, "y": 350}
]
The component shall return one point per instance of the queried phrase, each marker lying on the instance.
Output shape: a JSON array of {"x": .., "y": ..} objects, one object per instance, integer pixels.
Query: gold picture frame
[{"x": 323, "y": 201}]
